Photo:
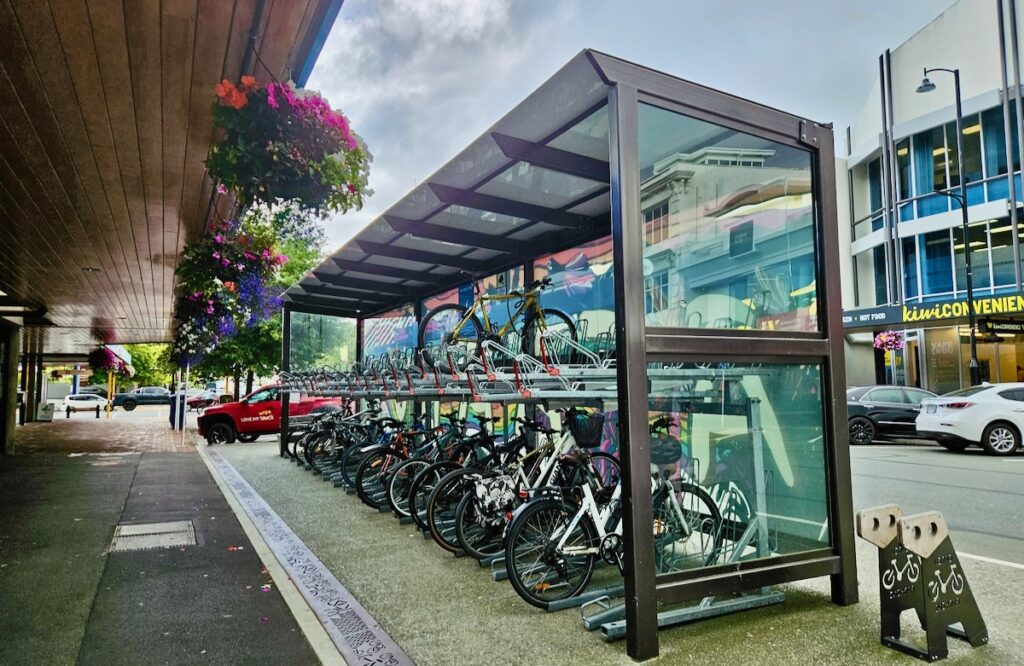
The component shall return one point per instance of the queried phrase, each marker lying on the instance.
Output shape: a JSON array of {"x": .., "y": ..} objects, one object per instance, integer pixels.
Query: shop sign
[
  {"x": 890, "y": 315},
  {"x": 741, "y": 239},
  {"x": 1001, "y": 326}
]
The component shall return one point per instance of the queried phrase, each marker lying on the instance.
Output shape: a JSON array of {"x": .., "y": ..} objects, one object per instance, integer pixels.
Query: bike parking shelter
[{"x": 692, "y": 237}]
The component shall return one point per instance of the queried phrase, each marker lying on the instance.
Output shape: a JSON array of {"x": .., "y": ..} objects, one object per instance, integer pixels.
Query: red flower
[{"x": 231, "y": 95}]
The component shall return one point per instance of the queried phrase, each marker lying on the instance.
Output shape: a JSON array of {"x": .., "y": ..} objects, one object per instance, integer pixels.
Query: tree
[{"x": 152, "y": 363}]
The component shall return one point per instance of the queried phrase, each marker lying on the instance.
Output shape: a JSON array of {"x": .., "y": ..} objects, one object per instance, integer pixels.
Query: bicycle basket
[{"x": 587, "y": 429}]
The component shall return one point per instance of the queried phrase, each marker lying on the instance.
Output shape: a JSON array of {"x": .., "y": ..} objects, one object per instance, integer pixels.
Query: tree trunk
[
  {"x": 248, "y": 381},
  {"x": 238, "y": 380}
]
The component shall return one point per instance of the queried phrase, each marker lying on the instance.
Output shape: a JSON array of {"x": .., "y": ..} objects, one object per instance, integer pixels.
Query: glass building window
[
  {"x": 880, "y": 279},
  {"x": 1002, "y": 252},
  {"x": 875, "y": 191},
  {"x": 930, "y": 170},
  {"x": 656, "y": 224},
  {"x": 910, "y": 282},
  {"x": 972, "y": 150},
  {"x": 742, "y": 239},
  {"x": 936, "y": 263},
  {"x": 656, "y": 293},
  {"x": 979, "y": 256},
  {"x": 903, "y": 182}
]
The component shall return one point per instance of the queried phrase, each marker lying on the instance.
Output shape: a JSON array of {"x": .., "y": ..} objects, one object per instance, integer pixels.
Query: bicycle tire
[
  {"x": 400, "y": 482},
  {"x": 476, "y": 540},
  {"x": 350, "y": 459},
  {"x": 541, "y": 517},
  {"x": 441, "y": 509},
  {"x": 705, "y": 522},
  {"x": 422, "y": 486},
  {"x": 425, "y": 344},
  {"x": 373, "y": 474},
  {"x": 530, "y": 331}
]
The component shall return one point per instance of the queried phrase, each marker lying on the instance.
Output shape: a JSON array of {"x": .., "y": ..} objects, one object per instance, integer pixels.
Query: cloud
[{"x": 421, "y": 79}]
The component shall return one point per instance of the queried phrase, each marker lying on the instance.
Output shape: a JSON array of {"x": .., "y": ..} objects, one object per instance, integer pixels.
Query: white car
[
  {"x": 990, "y": 415},
  {"x": 82, "y": 402}
]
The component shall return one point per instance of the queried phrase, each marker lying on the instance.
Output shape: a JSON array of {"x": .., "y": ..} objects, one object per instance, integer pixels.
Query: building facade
[{"x": 906, "y": 267}]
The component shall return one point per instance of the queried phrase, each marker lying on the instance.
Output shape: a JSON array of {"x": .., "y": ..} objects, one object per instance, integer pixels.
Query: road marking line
[{"x": 992, "y": 560}]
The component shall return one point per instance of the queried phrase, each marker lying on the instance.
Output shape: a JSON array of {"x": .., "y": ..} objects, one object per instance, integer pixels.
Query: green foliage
[
  {"x": 152, "y": 363},
  {"x": 319, "y": 340}
]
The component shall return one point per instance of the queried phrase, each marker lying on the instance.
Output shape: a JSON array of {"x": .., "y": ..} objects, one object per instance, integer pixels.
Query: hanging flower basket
[
  {"x": 279, "y": 143},
  {"x": 102, "y": 358},
  {"x": 889, "y": 341}
]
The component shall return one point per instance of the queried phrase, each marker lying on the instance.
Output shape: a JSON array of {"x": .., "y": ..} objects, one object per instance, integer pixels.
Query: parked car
[
  {"x": 258, "y": 413},
  {"x": 990, "y": 416},
  {"x": 203, "y": 400},
  {"x": 82, "y": 402},
  {"x": 883, "y": 411},
  {"x": 146, "y": 395},
  {"x": 93, "y": 389}
]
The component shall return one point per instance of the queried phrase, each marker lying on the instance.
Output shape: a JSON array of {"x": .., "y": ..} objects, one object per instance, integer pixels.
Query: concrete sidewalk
[
  {"x": 66, "y": 599},
  {"x": 443, "y": 610}
]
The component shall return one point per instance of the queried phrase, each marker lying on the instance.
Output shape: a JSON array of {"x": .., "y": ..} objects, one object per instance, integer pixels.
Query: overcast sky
[{"x": 420, "y": 79}]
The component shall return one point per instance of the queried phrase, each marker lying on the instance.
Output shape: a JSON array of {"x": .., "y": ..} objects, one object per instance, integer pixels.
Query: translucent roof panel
[
  {"x": 539, "y": 186},
  {"x": 589, "y": 137},
  {"x": 472, "y": 219}
]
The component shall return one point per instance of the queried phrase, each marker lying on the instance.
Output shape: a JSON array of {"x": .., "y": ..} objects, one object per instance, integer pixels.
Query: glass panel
[
  {"x": 979, "y": 256},
  {"x": 906, "y": 187},
  {"x": 499, "y": 312},
  {"x": 875, "y": 191},
  {"x": 910, "y": 289},
  {"x": 1000, "y": 235},
  {"x": 885, "y": 395},
  {"x": 930, "y": 170},
  {"x": 392, "y": 330},
  {"x": 950, "y": 156},
  {"x": 539, "y": 186},
  {"x": 972, "y": 149},
  {"x": 582, "y": 286},
  {"x": 472, "y": 219},
  {"x": 942, "y": 357},
  {"x": 936, "y": 263},
  {"x": 588, "y": 137},
  {"x": 319, "y": 340},
  {"x": 737, "y": 247},
  {"x": 743, "y": 448}
]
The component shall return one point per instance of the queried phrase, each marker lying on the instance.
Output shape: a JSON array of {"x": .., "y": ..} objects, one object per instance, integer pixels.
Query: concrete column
[
  {"x": 11, "y": 342},
  {"x": 28, "y": 371}
]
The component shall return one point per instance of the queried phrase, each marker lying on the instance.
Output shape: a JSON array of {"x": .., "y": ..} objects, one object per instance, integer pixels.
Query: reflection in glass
[
  {"x": 979, "y": 256},
  {"x": 319, "y": 340},
  {"x": 750, "y": 438},
  {"x": 729, "y": 233},
  {"x": 395, "y": 329}
]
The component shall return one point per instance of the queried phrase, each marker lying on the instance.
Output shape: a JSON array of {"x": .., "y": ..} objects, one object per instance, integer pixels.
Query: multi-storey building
[{"x": 906, "y": 266}]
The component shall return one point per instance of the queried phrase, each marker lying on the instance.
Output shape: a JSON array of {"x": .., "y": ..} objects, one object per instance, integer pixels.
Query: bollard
[
  {"x": 918, "y": 569},
  {"x": 68, "y": 412},
  {"x": 97, "y": 411}
]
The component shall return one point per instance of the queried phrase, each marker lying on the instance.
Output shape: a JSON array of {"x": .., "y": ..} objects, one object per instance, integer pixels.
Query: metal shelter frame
[{"x": 427, "y": 242}]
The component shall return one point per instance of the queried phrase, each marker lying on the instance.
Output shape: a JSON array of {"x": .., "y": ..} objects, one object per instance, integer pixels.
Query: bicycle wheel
[
  {"x": 422, "y": 486},
  {"x": 604, "y": 470},
  {"x": 699, "y": 542},
  {"x": 350, "y": 459},
  {"x": 476, "y": 540},
  {"x": 440, "y": 332},
  {"x": 441, "y": 508},
  {"x": 373, "y": 475},
  {"x": 556, "y": 350},
  {"x": 400, "y": 482},
  {"x": 539, "y": 571}
]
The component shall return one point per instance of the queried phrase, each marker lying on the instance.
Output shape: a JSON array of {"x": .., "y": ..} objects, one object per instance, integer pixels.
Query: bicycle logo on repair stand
[{"x": 895, "y": 574}]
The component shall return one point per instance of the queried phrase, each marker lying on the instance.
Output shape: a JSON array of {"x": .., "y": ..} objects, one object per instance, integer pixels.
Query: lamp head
[{"x": 926, "y": 85}]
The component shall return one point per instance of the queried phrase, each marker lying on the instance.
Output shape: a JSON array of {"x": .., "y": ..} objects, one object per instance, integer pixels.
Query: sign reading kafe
[{"x": 984, "y": 306}]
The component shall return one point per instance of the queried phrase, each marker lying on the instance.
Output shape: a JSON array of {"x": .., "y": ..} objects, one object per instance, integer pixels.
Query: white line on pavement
[{"x": 992, "y": 560}]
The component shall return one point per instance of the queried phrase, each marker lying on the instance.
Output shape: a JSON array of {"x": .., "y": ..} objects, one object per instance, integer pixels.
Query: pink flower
[
  {"x": 221, "y": 189},
  {"x": 351, "y": 188},
  {"x": 241, "y": 267},
  {"x": 216, "y": 255},
  {"x": 209, "y": 310},
  {"x": 218, "y": 239},
  {"x": 271, "y": 98}
]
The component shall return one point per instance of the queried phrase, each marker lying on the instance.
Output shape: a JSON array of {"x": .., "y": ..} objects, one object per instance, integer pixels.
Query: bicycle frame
[{"x": 530, "y": 304}]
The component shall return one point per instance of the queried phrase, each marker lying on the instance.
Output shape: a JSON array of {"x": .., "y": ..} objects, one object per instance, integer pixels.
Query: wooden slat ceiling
[{"x": 104, "y": 126}]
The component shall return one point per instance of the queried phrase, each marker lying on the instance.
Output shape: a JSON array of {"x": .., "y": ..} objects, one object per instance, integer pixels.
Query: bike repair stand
[
  {"x": 600, "y": 613},
  {"x": 918, "y": 569}
]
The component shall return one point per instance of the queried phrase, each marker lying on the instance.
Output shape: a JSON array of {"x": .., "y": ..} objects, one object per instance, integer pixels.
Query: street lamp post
[{"x": 961, "y": 198}]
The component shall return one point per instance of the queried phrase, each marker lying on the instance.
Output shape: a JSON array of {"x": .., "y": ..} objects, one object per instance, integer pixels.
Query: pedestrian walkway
[
  {"x": 67, "y": 599},
  {"x": 443, "y": 610}
]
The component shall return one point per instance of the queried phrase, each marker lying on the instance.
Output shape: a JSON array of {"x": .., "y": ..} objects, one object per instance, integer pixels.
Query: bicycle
[{"x": 458, "y": 330}]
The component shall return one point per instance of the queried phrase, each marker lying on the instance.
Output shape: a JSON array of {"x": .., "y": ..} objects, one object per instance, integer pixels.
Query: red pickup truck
[{"x": 258, "y": 413}]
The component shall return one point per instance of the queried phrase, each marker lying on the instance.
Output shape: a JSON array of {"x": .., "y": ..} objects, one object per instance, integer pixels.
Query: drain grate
[{"x": 147, "y": 536}]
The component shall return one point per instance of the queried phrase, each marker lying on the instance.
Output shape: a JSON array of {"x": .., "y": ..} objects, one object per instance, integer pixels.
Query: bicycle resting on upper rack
[
  {"x": 554, "y": 541},
  {"x": 458, "y": 330}
]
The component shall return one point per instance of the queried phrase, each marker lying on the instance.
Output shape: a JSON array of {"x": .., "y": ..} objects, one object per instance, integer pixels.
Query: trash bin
[{"x": 176, "y": 415}]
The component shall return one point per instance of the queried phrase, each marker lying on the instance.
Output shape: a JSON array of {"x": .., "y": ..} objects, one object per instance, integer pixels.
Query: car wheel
[
  {"x": 220, "y": 433},
  {"x": 247, "y": 437},
  {"x": 1000, "y": 439},
  {"x": 129, "y": 405},
  {"x": 862, "y": 430}
]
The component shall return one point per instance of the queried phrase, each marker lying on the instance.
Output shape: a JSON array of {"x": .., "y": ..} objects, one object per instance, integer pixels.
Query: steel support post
[
  {"x": 286, "y": 365},
  {"x": 1008, "y": 143},
  {"x": 840, "y": 497},
  {"x": 630, "y": 347}
]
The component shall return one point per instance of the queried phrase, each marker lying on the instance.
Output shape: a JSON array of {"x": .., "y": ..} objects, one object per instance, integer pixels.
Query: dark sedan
[{"x": 883, "y": 411}]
